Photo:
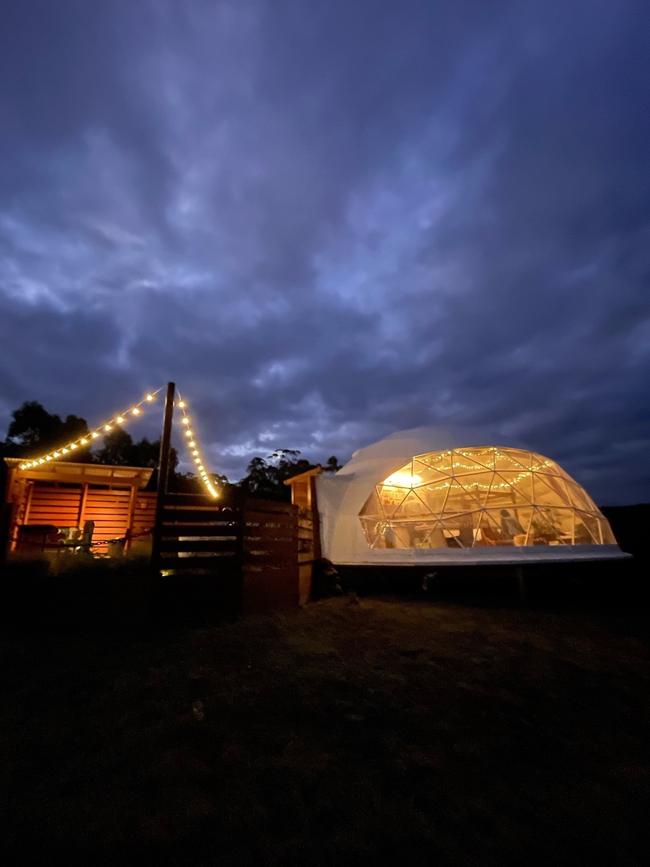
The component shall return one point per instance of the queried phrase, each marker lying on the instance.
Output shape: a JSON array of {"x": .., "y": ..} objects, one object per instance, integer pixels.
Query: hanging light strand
[
  {"x": 194, "y": 449},
  {"x": 116, "y": 421}
]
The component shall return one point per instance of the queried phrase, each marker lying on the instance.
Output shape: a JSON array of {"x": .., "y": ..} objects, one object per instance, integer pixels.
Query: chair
[
  {"x": 489, "y": 535},
  {"x": 84, "y": 544}
]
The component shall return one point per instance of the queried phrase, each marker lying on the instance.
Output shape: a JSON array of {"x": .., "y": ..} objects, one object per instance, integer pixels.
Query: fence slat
[{"x": 221, "y": 543}]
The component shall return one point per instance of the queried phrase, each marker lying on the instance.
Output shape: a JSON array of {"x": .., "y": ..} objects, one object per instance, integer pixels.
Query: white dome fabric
[{"x": 459, "y": 501}]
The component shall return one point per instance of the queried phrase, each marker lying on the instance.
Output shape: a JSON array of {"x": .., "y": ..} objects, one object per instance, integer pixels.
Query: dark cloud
[{"x": 331, "y": 221}]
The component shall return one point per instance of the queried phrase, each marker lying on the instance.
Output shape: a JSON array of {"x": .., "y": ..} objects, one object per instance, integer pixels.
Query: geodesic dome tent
[{"x": 423, "y": 496}]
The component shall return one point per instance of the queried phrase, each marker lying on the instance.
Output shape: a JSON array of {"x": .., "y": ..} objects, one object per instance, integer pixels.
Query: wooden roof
[
  {"x": 314, "y": 471},
  {"x": 72, "y": 472}
]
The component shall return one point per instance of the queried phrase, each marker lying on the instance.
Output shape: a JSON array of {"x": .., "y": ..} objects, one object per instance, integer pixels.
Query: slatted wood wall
[
  {"x": 57, "y": 506},
  {"x": 109, "y": 508},
  {"x": 303, "y": 495},
  {"x": 144, "y": 515},
  {"x": 307, "y": 553}
]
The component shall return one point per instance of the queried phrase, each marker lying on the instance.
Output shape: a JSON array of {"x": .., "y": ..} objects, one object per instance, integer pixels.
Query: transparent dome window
[{"x": 481, "y": 496}]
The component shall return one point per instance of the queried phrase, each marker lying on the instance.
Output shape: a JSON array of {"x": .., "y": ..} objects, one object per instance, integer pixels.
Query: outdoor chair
[{"x": 84, "y": 543}]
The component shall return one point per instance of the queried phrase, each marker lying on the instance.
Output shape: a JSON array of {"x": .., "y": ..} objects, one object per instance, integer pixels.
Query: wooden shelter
[
  {"x": 42, "y": 504},
  {"x": 303, "y": 495}
]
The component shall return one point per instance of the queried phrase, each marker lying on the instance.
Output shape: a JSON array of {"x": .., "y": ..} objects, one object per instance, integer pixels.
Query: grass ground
[{"x": 415, "y": 730}]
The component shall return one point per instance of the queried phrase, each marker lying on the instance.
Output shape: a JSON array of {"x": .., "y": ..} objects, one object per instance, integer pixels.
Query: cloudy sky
[{"x": 331, "y": 220}]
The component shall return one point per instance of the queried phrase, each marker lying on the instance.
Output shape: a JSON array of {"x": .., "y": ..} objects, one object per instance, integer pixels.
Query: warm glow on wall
[{"x": 402, "y": 479}]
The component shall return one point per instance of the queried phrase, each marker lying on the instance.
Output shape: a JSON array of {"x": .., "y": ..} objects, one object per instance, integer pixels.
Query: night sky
[{"x": 328, "y": 221}]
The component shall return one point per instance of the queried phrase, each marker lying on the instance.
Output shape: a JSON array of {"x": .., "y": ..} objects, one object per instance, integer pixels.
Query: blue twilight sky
[{"x": 331, "y": 220}]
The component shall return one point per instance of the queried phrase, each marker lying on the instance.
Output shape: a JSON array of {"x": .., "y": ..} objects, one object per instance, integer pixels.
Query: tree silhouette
[
  {"x": 120, "y": 449},
  {"x": 266, "y": 476},
  {"x": 34, "y": 429}
]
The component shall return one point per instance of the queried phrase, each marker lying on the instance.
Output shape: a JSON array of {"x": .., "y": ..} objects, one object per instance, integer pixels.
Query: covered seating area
[{"x": 66, "y": 508}]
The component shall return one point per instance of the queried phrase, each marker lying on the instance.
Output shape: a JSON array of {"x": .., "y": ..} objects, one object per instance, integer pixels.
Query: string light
[
  {"x": 120, "y": 419},
  {"x": 104, "y": 427},
  {"x": 194, "y": 449}
]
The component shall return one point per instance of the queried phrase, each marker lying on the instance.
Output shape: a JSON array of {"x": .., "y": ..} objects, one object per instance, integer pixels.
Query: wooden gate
[
  {"x": 238, "y": 554},
  {"x": 269, "y": 556}
]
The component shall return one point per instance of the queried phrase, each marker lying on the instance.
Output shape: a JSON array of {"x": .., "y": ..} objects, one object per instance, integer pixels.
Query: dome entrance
[{"x": 481, "y": 497}]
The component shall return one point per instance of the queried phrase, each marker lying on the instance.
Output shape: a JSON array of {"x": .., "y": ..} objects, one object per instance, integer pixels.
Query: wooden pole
[{"x": 163, "y": 472}]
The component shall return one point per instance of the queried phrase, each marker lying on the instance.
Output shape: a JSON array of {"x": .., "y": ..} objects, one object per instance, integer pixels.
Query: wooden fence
[
  {"x": 237, "y": 553},
  {"x": 234, "y": 553}
]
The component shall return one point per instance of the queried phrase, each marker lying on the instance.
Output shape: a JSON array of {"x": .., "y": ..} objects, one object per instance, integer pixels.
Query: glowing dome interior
[{"x": 481, "y": 496}]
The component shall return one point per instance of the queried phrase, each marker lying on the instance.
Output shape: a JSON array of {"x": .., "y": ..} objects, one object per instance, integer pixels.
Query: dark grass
[{"x": 433, "y": 730}]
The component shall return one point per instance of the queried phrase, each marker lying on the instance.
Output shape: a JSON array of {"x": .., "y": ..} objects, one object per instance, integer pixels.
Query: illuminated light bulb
[
  {"x": 402, "y": 480},
  {"x": 56, "y": 454},
  {"x": 182, "y": 403},
  {"x": 136, "y": 410},
  {"x": 200, "y": 466},
  {"x": 195, "y": 451},
  {"x": 191, "y": 444},
  {"x": 64, "y": 450},
  {"x": 22, "y": 466},
  {"x": 41, "y": 461},
  {"x": 188, "y": 433},
  {"x": 149, "y": 397},
  {"x": 72, "y": 446},
  {"x": 120, "y": 419},
  {"x": 107, "y": 427},
  {"x": 83, "y": 441},
  {"x": 186, "y": 419},
  {"x": 94, "y": 435}
]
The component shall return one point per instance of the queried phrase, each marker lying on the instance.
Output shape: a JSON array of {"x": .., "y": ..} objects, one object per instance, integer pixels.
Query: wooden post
[
  {"x": 163, "y": 473},
  {"x": 82, "y": 506},
  {"x": 129, "y": 523}
]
